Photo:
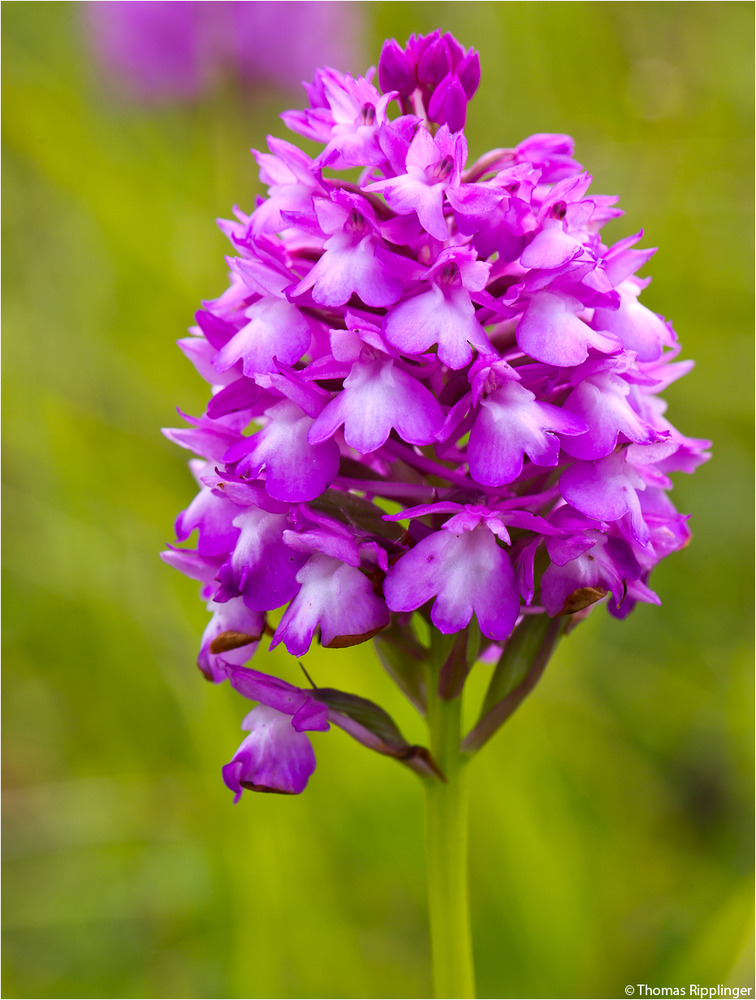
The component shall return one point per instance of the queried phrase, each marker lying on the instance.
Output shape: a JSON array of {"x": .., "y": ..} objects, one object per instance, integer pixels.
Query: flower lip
[{"x": 274, "y": 757}]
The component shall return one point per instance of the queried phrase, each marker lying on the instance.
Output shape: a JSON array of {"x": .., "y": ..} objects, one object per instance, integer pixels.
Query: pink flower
[{"x": 450, "y": 343}]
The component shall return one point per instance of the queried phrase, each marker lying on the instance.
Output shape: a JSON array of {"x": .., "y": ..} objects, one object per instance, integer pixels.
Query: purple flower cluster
[
  {"x": 409, "y": 338},
  {"x": 177, "y": 50}
]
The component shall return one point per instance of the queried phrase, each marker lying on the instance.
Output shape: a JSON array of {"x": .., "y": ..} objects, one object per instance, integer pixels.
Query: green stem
[{"x": 446, "y": 844}]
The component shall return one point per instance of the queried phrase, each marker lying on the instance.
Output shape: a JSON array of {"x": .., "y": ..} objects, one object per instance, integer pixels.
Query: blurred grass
[{"x": 612, "y": 820}]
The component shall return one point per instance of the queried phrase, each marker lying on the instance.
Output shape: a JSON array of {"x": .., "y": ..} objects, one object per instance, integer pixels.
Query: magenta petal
[
  {"x": 276, "y": 329},
  {"x": 449, "y": 104},
  {"x": 601, "y": 401},
  {"x": 337, "y": 598},
  {"x": 231, "y": 617},
  {"x": 512, "y": 423},
  {"x": 467, "y": 573},
  {"x": 240, "y": 394},
  {"x": 192, "y": 564},
  {"x": 212, "y": 516},
  {"x": 635, "y": 326},
  {"x": 327, "y": 542},
  {"x": 443, "y": 317},
  {"x": 306, "y": 712},
  {"x": 350, "y": 267},
  {"x": 606, "y": 490},
  {"x": 592, "y": 569},
  {"x": 202, "y": 355},
  {"x": 217, "y": 331},
  {"x": 550, "y": 331},
  {"x": 208, "y": 438},
  {"x": 295, "y": 470},
  {"x": 273, "y": 758},
  {"x": 262, "y": 568},
  {"x": 411, "y": 193},
  {"x": 395, "y": 72},
  {"x": 377, "y": 397},
  {"x": 550, "y": 248},
  {"x": 410, "y": 327}
]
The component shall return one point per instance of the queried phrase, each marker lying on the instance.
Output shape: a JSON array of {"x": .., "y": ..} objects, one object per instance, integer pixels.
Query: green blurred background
[{"x": 611, "y": 837}]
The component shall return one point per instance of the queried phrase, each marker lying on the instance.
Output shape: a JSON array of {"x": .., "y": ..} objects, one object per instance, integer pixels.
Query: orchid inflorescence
[
  {"x": 435, "y": 391},
  {"x": 157, "y": 51}
]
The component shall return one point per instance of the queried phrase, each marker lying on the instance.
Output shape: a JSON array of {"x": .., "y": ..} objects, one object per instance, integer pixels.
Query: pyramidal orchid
[
  {"x": 157, "y": 51},
  {"x": 435, "y": 423}
]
